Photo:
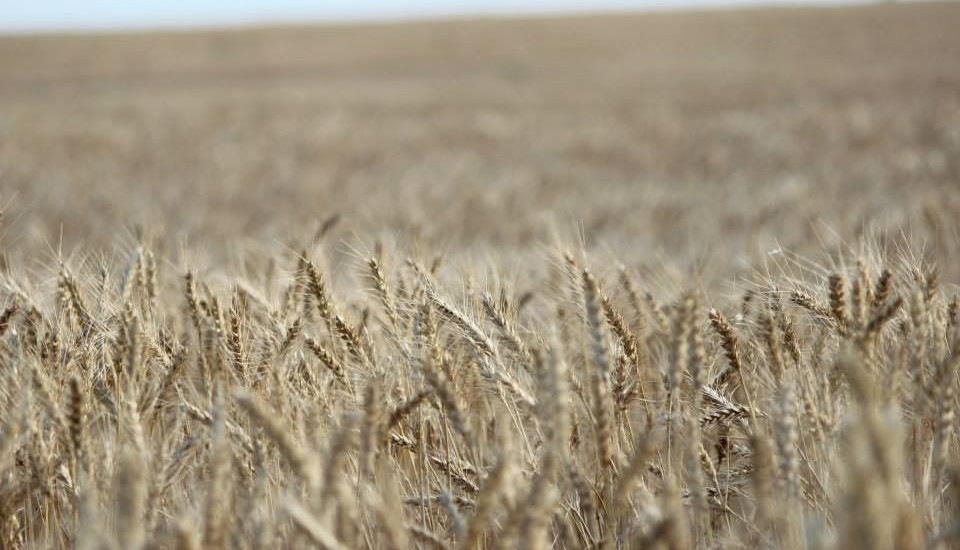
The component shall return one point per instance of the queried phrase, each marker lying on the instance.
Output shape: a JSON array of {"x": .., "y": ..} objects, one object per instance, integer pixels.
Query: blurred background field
[{"x": 687, "y": 138}]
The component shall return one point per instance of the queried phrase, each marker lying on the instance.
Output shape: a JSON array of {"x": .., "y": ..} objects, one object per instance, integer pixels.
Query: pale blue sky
[{"x": 27, "y": 15}]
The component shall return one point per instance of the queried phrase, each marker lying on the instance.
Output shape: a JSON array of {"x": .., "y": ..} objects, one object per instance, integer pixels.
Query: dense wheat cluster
[{"x": 421, "y": 286}]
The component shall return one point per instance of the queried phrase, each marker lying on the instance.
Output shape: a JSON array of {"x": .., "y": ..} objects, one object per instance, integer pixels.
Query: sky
[{"x": 52, "y": 15}]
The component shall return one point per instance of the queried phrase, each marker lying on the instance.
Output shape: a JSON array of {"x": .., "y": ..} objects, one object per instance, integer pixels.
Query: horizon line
[{"x": 174, "y": 25}]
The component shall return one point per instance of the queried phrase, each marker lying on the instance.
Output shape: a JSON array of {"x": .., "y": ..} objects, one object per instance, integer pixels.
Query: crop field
[{"x": 669, "y": 280}]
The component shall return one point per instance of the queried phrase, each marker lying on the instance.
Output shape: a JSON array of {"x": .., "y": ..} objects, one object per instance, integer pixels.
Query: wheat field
[{"x": 665, "y": 280}]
